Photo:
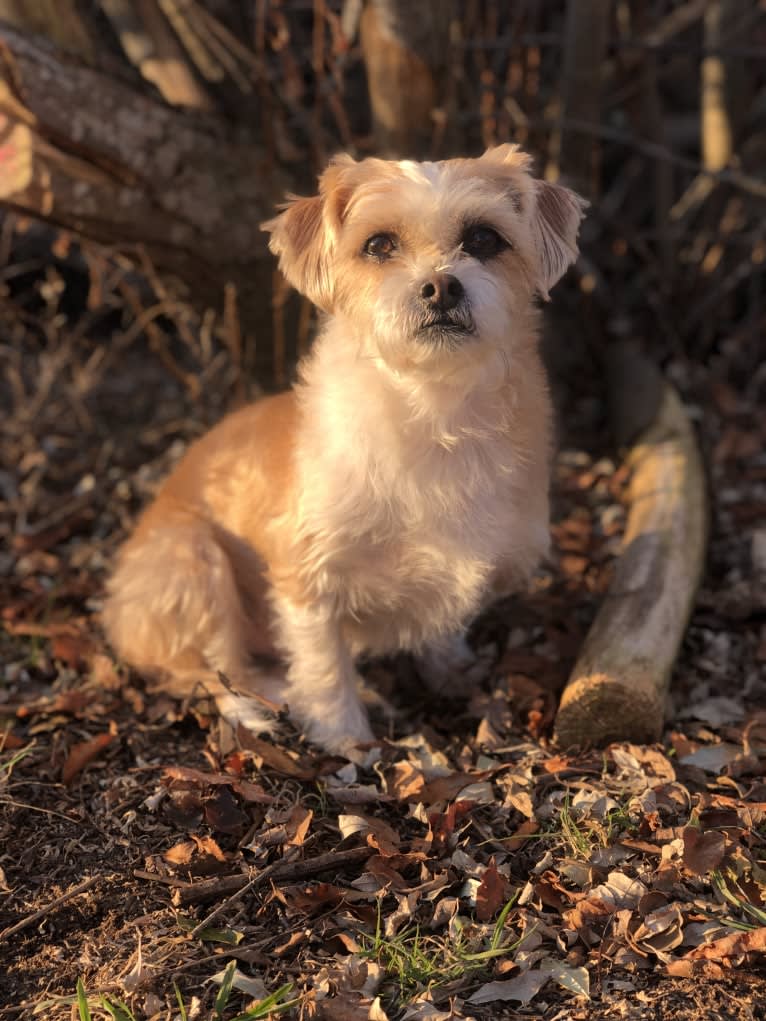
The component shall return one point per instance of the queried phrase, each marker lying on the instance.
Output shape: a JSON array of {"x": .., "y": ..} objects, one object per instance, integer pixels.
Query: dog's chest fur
[{"x": 417, "y": 512}]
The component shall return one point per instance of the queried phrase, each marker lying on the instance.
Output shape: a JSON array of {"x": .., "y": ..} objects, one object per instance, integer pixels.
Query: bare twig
[
  {"x": 744, "y": 182},
  {"x": 37, "y": 915},
  {"x": 195, "y": 893}
]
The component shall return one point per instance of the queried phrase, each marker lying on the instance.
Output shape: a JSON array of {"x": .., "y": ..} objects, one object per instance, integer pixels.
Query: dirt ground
[{"x": 152, "y": 854}]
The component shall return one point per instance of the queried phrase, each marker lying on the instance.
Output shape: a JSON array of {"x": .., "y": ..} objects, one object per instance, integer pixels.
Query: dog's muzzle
[
  {"x": 444, "y": 309},
  {"x": 446, "y": 326}
]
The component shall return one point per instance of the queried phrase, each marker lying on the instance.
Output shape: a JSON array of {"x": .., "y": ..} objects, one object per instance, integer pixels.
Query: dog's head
[{"x": 423, "y": 259}]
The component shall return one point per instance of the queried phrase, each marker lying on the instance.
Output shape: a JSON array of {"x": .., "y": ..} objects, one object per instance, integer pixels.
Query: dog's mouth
[{"x": 441, "y": 325}]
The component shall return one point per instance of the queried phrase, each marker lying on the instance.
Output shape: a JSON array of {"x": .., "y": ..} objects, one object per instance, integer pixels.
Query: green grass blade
[
  {"x": 270, "y": 1005},
  {"x": 82, "y": 1002},
  {"x": 180, "y": 1002},
  {"x": 497, "y": 932},
  {"x": 118, "y": 1011},
  {"x": 225, "y": 991}
]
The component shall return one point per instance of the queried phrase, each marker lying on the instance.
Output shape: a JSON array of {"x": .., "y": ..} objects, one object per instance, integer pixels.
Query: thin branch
[{"x": 37, "y": 915}]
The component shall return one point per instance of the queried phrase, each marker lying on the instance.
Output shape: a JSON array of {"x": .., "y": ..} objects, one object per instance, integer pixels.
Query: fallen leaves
[{"x": 730, "y": 950}]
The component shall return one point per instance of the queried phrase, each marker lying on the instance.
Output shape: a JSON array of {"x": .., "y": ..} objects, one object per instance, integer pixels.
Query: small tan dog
[{"x": 400, "y": 486}]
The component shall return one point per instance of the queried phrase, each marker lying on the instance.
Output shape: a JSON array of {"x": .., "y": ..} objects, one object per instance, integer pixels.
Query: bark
[
  {"x": 58, "y": 20},
  {"x": 93, "y": 154},
  {"x": 618, "y": 687},
  {"x": 406, "y": 52},
  {"x": 149, "y": 43},
  {"x": 585, "y": 38}
]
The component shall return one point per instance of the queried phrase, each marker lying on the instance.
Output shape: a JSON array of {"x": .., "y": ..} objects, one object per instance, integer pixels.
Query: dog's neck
[{"x": 458, "y": 394}]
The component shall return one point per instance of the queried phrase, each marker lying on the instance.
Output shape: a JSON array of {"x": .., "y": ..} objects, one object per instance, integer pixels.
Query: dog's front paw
[
  {"x": 451, "y": 668},
  {"x": 239, "y": 710},
  {"x": 343, "y": 734},
  {"x": 363, "y": 754}
]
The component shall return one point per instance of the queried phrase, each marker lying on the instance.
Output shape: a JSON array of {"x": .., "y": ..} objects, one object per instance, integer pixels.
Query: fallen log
[
  {"x": 98, "y": 155},
  {"x": 618, "y": 687}
]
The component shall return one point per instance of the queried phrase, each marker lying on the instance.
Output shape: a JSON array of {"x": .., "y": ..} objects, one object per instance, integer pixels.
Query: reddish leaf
[
  {"x": 587, "y": 913},
  {"x": 443, "y": 823},
  {"x": 277, "y": 758},
  {"x": 491, "y": 894},
  {"x": 10, "y": 742},
  {"x": 184, "y": 776},
  {"x": 445, "y": 788},
  {"x": 692, "y": 969},
  {"x": 72, "y": 702},
  {"x": 72, "y": 649},
  {"x": 222, "y": 812},
  {"x": 309, "y": 899},
  {"x": 520, "y": 837},
  {"x": 80, "y": 755}
]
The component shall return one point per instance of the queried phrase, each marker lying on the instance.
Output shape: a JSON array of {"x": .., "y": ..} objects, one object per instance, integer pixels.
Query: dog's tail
[{"x": 175, "y": 612}]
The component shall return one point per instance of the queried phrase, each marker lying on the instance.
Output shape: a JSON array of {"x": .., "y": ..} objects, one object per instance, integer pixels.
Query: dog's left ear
[
  {"x": 555, "y": 221},
  {"x": 305, "y": 232}
]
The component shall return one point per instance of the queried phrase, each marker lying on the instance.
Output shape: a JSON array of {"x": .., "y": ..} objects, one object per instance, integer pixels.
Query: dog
[{"x": 399, "y": 487}]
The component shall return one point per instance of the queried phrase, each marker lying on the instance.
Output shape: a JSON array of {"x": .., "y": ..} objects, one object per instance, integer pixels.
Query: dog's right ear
[{"x": 305, "y": 232}]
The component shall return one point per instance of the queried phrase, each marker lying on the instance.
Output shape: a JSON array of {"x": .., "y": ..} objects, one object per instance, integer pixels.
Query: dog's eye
[
  {"x": 482, "y": 242},
  {"x": 380, "y": 246}
]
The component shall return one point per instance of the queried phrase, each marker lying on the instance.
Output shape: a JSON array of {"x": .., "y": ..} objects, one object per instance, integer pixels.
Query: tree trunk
[
  {"x": 92, "y": 153},
  {"x": 574, "y": 153},
  {"x": 406, "y": 54}
]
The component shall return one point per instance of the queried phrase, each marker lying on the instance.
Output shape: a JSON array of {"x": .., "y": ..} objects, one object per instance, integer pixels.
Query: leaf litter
[{"x": 471, "y": 870}]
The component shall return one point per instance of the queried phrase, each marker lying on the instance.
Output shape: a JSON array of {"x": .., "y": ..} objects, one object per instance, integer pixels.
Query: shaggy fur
[{"x": 401, "y": 485}]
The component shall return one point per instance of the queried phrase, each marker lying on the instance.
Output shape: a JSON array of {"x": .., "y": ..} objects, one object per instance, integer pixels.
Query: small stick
[
  {"x": 249, "y": 885},
  {"x": 155, "y": 877},
  {"x": 31, "y": 919},
  {"x": 192, "y": 893}
]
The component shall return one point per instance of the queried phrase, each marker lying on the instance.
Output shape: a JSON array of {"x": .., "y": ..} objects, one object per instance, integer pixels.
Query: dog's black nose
[{"x": 442, "y": 292}]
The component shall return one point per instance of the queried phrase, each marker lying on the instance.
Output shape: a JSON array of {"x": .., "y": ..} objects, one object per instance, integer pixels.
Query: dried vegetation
[{"x": 175, "y": 869}]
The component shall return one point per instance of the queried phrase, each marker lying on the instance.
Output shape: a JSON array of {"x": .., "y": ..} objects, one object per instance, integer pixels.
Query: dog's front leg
[{"x": 322, "y": 691}]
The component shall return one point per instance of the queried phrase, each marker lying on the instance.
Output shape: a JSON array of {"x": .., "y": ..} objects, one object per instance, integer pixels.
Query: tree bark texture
[{"x": 92, "y": 153}]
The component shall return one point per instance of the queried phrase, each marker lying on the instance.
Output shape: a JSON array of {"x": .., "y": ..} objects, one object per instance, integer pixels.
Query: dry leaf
[
  {"x": 521, "y": 989},
  {"x": 199, "y": 847},
  {"x": 298, "y": 825},
  {"x": 730, "y": 948},
  {"x": 277, "y": 758},
  {"x": 620, "y": 890},
  {"x": 522, "y": 834},
  {"x": 445, "y": 788},
  {"x": 404, "y": 781},
  {"x": 10, "y": 742},
  {"x": 184, "y": 776},
  {"x": 703, "y": 852},
  {"x": 574, "y": 980},
  {"x": 492, "y": 893},
  {"x": 80, "y": 755}
]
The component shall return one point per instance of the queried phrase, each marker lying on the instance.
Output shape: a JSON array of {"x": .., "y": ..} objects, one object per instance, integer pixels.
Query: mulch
[{"x": 475, "y": 870}]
